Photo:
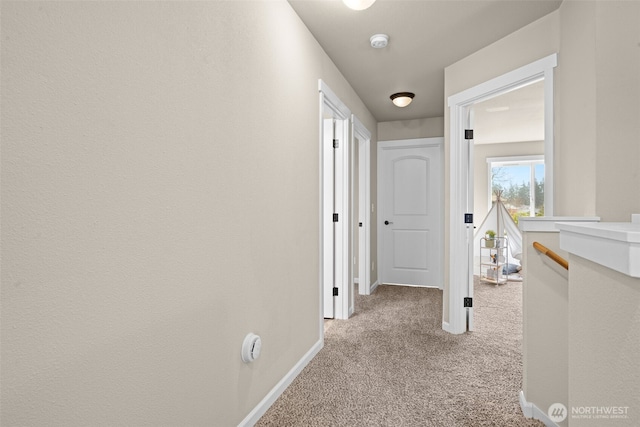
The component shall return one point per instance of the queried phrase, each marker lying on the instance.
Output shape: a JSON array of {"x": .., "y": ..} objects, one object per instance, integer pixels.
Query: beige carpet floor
[{"x": 392, "y": 365}]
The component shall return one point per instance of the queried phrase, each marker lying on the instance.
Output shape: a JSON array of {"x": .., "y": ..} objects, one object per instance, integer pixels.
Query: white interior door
[
  {"x": 410, "y": 183},
  {"x": 362, "y": 140},
  {"x": 328, "y": 244},
  {"x": 335, "y": 230},
  {"x": 470, "y": 226}
]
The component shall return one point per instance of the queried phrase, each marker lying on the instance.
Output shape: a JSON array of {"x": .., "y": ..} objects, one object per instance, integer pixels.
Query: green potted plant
[{"x": 490, "y": 235}]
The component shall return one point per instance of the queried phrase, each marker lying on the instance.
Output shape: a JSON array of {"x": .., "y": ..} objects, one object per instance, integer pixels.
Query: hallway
[{"x": 391, "y": 364}]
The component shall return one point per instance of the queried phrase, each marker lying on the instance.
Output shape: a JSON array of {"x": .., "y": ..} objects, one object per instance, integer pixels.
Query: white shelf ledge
[
  {"x": 615, "y": 245},
  {"x": 547, "y": 224}
]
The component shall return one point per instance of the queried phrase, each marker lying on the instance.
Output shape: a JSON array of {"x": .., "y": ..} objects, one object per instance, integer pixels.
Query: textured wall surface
[
  {"x": 604, "y": 343},
  {"x": 160, "y": 200},
  {"x": 411, "y": 129},
  {"x": 545, "y": 321}
]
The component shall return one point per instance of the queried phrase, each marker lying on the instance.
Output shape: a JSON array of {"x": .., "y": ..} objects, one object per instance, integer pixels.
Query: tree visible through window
[{"x": 521, "y": 182}]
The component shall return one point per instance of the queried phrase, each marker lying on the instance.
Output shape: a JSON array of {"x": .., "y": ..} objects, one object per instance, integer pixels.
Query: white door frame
[
  {"x": 362, "y": 134},
  {"x": 334, "y": 258},
  {"x": 406, "y": 143},
  {"x": 459, "y": 248}
]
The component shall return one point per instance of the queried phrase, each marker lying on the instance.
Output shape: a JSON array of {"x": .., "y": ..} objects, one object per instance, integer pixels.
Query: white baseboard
[
  {"x": 530, "y": 410},
  {"x": 279, "y": 388},
  {"x": 526, "y": 407},
  {"x": 446, "y": 327},
  {"x": 374, "y": 286}
]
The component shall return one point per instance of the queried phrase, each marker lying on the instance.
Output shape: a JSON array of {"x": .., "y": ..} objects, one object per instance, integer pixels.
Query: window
[{"x": 520, "y": 181}]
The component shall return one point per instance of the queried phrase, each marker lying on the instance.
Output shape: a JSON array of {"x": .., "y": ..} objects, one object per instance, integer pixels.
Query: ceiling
[
  {"x": 425, "y": 36},
  {"x": 515, "y": 116}
]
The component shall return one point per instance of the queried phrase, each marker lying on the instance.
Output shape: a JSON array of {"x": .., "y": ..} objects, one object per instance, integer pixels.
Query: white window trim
[{"x": 514, "y": 160}]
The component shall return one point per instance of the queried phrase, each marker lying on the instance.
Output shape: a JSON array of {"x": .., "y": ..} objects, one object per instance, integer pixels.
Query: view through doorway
[{"x": 459, "y": 303}]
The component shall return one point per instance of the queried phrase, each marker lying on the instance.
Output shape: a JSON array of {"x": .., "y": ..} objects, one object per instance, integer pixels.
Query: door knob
[{"x": 387, "y": 222}]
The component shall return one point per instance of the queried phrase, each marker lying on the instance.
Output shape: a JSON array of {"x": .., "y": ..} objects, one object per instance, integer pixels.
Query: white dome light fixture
[
  {"x": 379, "y": 41},
  {"x": 402, "y": 99},
  {"x": 358, "y": 4}
]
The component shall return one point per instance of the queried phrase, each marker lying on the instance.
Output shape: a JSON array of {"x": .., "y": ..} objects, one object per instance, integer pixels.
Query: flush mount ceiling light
[
  {"x": 378, "y": 41},
  {"x": 402, "y": 99},
  {"x": 358, "y": 4}
]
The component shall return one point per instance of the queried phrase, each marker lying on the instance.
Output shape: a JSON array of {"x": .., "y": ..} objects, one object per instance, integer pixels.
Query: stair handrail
[{"x": 554, "y": 256}]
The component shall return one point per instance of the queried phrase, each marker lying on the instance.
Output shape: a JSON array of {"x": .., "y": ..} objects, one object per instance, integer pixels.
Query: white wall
[
  {"x": 545, "y": 324},
  {"x": 575, "y": 112},
  {"x": 598, "y": 121},
  {"x": 603, "y": 344},
  {"x": 160, "y": 199},
  {"x": 618, "y": 109},
  {"x": 411, "y": 129}
]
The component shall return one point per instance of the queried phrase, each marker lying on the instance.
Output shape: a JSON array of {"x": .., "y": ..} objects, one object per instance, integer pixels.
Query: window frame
[{"x": 530, "y": 160}]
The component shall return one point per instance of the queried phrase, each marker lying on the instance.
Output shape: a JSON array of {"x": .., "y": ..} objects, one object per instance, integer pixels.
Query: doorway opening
[
  {"x": 361, "y": 206},
  {"x": 508, "y": 179},
  {"x": 335, "y": 268},
  {"x": 461, "y": 252},
  {"x": 345, "y": 226}
]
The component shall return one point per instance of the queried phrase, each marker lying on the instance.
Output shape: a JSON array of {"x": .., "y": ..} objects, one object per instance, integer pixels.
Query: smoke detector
[{"x": 378, "y": 41}]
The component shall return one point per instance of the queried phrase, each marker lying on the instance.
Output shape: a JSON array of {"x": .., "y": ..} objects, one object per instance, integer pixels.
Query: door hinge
[
  {"x": 335, "y": 292},
  {"x": 468, "y": 134},
  {"x": 359, "y": 224},
  {"x": 468, "y": 218},
  {"x": 335, "y": 217},
  {"x": 468, "y": 302},
  {"x": 336, "y": 143}
]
